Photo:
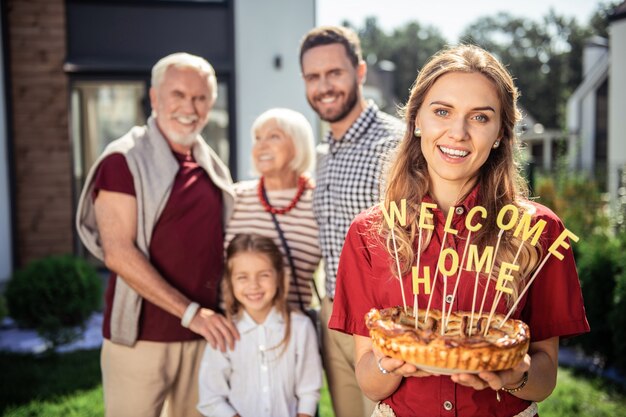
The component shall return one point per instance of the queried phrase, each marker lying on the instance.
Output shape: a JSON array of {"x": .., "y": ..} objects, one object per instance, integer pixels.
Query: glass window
[
  {"x": 101, "y": 112},
  {"x": 215, "y": 132}
]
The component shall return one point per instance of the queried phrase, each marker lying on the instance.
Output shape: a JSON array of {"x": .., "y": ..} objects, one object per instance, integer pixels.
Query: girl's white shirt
[{"x": 254, "y": 380}]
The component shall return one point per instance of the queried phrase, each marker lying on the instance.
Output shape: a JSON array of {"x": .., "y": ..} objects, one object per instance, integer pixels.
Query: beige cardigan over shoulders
[{"x": 154, "y": 168}]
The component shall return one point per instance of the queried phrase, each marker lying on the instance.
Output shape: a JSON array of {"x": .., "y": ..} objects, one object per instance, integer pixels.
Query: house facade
[
  {"x": 76, "y": 76},
  {"x": 595, "y": 111},
  {"x": 617, "y": 105}
]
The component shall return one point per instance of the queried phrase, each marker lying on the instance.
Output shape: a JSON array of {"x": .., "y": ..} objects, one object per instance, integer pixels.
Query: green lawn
[
  {"x": 54, "y": 385},
  {"x": 68, "y": 385},
  {"x": 580, "y": 395}
]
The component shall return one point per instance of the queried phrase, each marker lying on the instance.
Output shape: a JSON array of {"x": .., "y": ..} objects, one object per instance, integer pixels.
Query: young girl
[
  {"x": 275, "y": 369},
  {"x": 457, "y": 154}
]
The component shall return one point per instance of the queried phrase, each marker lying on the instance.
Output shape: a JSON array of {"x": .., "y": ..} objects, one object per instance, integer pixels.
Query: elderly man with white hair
[{"x": 153, "y": 208}]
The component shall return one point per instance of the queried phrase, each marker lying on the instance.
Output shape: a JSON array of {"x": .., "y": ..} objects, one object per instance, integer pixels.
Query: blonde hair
[
  {"x": 298, "y": 129},
  {"x": 499, "y": 178},
  {"x": 251, "y": 243}
]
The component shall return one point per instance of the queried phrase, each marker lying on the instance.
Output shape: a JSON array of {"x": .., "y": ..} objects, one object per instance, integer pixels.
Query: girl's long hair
[
  {"x": 251, "y": 243},
  {"x": 499, "y": 179}
]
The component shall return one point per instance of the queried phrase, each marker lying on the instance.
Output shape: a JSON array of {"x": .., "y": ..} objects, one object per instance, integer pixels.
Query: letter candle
[
  {"x": 500, "y": 221},
  {"x": 471, "y": 260},
  {"x": 524, "y": 227},
  {"x": 502, "y": 290},
  {"x": 446, "y": 273},
  {"x": 471, "y": 228},
  {"x": 417, "y": 264},
  {"x": 484, "y": 262},
  {"x": 493, "y": 262},
  {"x": 553, "y": 250},
  {"x": 424, "y": 215},
  {"x": 432, "y": 291},
  {"x": 390, "y": 219},
  {"x": 473, "y": 302},
  {"x": 456, "y": 284}
]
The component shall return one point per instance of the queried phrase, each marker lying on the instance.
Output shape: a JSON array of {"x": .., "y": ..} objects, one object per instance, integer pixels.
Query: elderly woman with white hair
[{"x": 279, "y": 204}]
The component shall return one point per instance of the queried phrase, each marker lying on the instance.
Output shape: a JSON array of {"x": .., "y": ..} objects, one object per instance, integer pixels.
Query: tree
[
  {"x": 545, "y": 57},
  {"x": 599, "y": 22},
  {"x": 536, "y": 54},
  {"x": 408, "y": 47}
]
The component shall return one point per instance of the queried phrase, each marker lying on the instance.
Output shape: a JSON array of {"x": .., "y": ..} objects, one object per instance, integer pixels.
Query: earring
[
  {"x": 496, "y": 144},
  {"x": 417, "y": 132}
]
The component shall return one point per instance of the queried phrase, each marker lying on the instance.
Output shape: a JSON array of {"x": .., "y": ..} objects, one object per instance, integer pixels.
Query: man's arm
[{"x": 116, "y": 215}]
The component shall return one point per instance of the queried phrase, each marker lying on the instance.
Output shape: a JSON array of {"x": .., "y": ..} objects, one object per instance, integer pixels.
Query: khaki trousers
[
  {"x": 338, "y": 356},
  {"x": 151, "y": 379}
]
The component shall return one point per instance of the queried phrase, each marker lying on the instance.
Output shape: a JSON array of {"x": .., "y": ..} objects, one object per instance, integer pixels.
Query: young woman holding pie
[
  {"x": 459, "y": 152},
  {"x": 279, "y": 203}
]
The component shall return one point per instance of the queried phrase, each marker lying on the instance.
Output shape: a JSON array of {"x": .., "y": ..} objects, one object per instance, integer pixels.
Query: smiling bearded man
[{"x": 348, "y": 179}]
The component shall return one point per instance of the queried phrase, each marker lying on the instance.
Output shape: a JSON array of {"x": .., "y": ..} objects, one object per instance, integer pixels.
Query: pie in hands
[{"x": 394, "y": 333}]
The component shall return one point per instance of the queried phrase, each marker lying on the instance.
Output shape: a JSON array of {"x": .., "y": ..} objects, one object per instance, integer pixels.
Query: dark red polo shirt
[
  {"x": 552, "y": 307},
  {"x": 186, "y": 245}
]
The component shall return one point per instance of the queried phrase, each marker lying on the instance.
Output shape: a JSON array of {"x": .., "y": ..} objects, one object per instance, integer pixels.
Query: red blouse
[{"x": 553, "y": 306}]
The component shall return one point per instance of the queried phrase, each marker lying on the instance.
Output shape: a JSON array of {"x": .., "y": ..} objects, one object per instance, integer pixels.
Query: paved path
[{"x": 27, "y": 341}]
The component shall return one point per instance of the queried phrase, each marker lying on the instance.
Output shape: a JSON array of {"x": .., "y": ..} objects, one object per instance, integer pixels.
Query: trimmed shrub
[
  {"x": 617, "y": 318},
  {"x": 55, "y": 296},
  {"x": 598, "y": 261},
  {"x": 577, "y": 201}
]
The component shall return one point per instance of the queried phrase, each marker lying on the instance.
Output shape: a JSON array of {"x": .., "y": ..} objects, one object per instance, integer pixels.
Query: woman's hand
[
  {"x": 509, "y": 378},
  {"x": 376, "y": 380},
  {"x": 542, "y": 370},
  {"x": 398, "y": 366}
]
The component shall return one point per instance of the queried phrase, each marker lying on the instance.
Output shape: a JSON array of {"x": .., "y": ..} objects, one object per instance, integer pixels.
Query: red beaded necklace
[{"x": 302, "y": 181}]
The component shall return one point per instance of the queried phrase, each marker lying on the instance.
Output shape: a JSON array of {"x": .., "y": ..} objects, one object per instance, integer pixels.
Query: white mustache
[{"x": 184, "y": 118}]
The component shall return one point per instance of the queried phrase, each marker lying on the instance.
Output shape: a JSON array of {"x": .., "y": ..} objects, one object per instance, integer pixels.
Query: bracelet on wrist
[
  {"x": 520, "y": 386},
  {"x": 189, "y": 314}
]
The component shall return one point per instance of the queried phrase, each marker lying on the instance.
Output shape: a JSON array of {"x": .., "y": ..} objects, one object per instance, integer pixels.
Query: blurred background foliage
[{"x": 544, "y": 57}]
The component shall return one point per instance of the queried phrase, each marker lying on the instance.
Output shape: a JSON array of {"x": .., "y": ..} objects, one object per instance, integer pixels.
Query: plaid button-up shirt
[{"x": 349, "y": 172}]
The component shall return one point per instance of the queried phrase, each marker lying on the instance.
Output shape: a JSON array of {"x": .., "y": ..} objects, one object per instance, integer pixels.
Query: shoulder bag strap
[{"x": 292, "y": 265}]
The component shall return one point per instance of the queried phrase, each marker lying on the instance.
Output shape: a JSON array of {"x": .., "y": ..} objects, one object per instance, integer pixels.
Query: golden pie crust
[{"x": 393, "y": 332}]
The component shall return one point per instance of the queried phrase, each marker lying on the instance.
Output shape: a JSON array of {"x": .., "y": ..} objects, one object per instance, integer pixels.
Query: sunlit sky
[{"x": 450, "y": 17}]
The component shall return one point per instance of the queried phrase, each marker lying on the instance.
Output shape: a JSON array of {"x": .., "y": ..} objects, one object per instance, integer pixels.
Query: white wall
[
  {"x": 617, "y": 102},
  {"x": 6, "y": 253},
  {"x": 588, "y": 132},
  {"x": 265, "y": 30},
  {"x": 581, "y": 108}
]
